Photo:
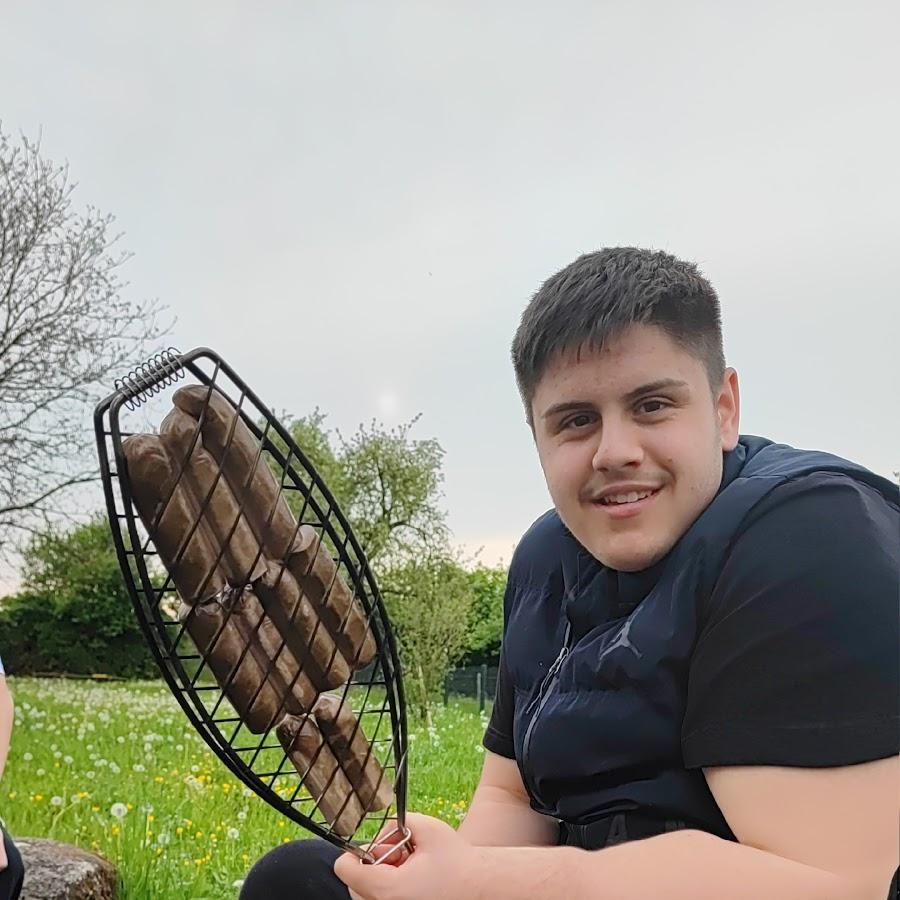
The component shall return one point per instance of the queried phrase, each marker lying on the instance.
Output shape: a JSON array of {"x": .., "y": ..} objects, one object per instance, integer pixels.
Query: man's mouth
[
  {"x": 629, "y": 497},
  {"x": 626, "y": 504}
]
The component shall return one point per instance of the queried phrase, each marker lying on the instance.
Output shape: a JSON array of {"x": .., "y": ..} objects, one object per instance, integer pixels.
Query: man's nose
[{"x": 620, "y": 446}]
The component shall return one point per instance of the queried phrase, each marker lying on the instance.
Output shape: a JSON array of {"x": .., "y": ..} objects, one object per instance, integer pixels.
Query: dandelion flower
[
  {"x": 118, "y": 810},
  {"x": 56, "y": 801}
]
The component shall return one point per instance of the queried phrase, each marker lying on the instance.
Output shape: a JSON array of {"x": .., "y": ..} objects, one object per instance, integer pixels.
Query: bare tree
[{"x": 65, "y": 331}]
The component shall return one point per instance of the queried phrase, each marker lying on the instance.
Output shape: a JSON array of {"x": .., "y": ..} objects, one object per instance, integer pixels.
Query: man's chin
[{"x": 626, "y": 559}]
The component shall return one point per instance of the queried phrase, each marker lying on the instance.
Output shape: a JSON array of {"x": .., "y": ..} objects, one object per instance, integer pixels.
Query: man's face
[{"x": 630, "y": 439}]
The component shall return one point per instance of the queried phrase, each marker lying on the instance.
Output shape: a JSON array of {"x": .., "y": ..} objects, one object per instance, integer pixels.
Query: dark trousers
[
  {"x": 12, "y": 876},
  {"x": 300, "y": 870}
]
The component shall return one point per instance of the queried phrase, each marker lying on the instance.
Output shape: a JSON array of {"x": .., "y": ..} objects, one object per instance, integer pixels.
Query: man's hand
[
  {"x": 442, "y": 867},
  {"x": 4, "y": 862}
]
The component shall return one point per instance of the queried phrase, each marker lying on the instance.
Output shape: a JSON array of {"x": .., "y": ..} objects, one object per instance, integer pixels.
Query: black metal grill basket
[{"x": 233, "y": 645}]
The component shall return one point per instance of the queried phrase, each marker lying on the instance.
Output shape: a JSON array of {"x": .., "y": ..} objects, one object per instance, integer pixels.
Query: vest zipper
[{"x": 543, "y": 696}]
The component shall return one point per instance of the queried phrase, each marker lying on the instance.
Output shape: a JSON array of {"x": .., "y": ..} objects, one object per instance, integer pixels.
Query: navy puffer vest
[{"x": 597, "y": 725}]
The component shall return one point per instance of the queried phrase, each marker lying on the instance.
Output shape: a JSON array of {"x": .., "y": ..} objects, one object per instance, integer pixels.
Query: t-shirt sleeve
[
  {"x": 498, "y": 736},
  {"x": 798, "y": 659}
]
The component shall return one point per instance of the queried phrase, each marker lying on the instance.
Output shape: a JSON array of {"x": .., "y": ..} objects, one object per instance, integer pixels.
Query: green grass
[{"x": 117, "y": 768}]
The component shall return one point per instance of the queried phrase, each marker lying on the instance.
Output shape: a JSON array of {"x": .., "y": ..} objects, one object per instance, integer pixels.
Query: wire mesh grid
[{"x": 275, "y": 644}]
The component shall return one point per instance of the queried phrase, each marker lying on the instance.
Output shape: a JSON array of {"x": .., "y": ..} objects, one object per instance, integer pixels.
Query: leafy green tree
[
  {"x": 428, "y": 600},
  {"x": 386, "y": 483},
  {"x": 73, "y": 614},
  {"x": 485, "y": 625}
]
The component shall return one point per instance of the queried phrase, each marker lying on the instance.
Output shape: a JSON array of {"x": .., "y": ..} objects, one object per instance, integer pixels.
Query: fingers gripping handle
[{"x": 406, "y": 841}]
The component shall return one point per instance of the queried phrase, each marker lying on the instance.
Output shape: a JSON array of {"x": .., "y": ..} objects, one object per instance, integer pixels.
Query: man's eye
[
  {"x": 651, "y": 406},
  {"x": 580, "y": 420}
]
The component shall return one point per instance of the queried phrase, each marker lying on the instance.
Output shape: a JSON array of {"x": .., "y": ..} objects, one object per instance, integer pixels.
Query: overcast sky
[{"x": 352, "y": 202}]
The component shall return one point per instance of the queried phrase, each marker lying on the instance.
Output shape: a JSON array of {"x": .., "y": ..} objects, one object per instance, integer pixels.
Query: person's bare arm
[
  {"x": 6, "y": 722},
  {"x": 500, "y": 814}
]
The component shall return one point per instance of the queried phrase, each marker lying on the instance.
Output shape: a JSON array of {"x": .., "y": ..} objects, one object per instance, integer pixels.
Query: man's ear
[{"x": 728, "y": 409}]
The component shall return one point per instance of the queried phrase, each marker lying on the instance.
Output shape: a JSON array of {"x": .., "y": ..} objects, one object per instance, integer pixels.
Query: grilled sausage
[
  {"x": 242, "y": 560},
  {"x": 315, "y": 570},
  {"x": 246, "y": 655},
  {"x": 218, "y": 636},
  {"x": 322, "y": 775},
  {"x": 235, "y": 448},
  {"x": 307, "y": 636},
  {"x": 170, "y": 515},
  {"x": 344, "y": 734}
]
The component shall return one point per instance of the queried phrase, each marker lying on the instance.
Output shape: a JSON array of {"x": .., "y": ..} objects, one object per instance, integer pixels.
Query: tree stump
[{"x": 55, "y": 871}]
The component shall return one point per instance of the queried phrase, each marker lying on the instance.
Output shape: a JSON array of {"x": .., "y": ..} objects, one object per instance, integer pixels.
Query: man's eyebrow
[
  {"x": 566, "y": 407},
  {"x": 659, "y": 385}
]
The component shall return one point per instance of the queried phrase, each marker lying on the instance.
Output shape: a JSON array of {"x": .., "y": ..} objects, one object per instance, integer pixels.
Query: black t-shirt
[{"x": 798, "y": 659}]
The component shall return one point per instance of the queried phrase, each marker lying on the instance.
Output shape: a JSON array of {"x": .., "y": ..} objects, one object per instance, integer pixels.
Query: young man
[{"x": 699, "y": 675}]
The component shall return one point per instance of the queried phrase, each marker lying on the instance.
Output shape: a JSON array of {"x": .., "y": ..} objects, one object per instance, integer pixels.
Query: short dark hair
[{"x": 601, "y": 294}]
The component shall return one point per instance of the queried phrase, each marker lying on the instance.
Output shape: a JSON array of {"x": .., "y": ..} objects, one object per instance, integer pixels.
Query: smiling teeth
[{"x": 633, "y": 497}]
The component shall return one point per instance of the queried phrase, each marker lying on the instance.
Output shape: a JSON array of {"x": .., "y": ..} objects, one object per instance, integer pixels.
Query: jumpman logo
[{"x": 623, "y": 641}]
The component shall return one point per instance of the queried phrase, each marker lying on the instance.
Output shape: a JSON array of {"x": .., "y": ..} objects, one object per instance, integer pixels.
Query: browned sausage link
[
  {"x": 322, "y": 775},
  {"x": 308, "y": 639},
  {"x": 348, "y": 742},
  {"x": 294, "y": 684},
  {"x": 245, "y": 468},
  {"x": 242, "y": 560},
  {"x": 220, "y": 639},
  {"x": 312, "y": 566},
  {"x": 151, "y": 476}
]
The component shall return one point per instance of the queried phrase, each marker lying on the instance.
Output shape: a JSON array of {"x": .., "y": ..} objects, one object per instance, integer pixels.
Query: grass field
[{"x": 116, "y": 768}]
